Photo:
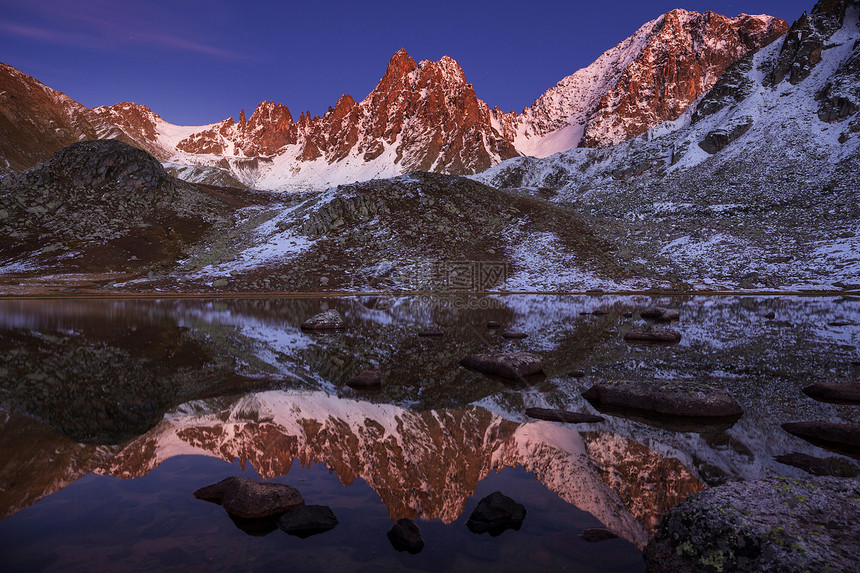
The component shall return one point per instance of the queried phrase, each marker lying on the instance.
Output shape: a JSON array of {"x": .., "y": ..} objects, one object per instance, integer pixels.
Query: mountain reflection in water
[{"x": 120, "y": 388}]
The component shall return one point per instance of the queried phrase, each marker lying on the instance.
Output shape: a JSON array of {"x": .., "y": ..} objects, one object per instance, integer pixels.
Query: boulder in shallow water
[
  {"x": 506, "y": 365},
  {"x": 307, "y": 520},
  {"x": 249, "y": 499},
  {"x": 563, "y": 416},
  {"x": 846, "y": 392},
  {"x": 597, "y": 534},
  {"x": 831, "y": 435},
  {"x": 660, "y": 313},
  {"x": 514, "y": 334},
  {"x": 365, "y": 380},
  {"x": 405, "y": 535},
  {"x": 833, "y": 466},
  {"x": 328, "y": 320},
  {"x": 777, "y": 524},
  {"x": 496, "y": 513},
  {"x": 666, "y": 397},
  {"x": 653, "y": 336}
]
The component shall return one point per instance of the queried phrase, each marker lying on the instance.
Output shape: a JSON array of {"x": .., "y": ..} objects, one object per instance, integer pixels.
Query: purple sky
[{"x": 200, "y": 61}]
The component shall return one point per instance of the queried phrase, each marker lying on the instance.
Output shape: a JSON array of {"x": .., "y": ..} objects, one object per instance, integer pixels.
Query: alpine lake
[{"x": 114, "y": 411}]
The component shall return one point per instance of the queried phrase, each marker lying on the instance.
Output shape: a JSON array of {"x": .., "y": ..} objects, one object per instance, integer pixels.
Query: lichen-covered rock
[
  {"x": 778, "y": 524},
  {"x": 666, "y": 397},
  {"x": 507, "y": 365},
  {"x": 249, "y": 499}
]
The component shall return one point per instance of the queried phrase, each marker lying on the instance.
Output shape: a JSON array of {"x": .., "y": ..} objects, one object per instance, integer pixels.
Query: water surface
[{"x": 114, "y": 412}]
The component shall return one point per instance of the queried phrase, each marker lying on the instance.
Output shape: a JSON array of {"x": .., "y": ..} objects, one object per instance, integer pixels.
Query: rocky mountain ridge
[
  {"x": 427, "y": 117},
  {"x": 758, "y": 178},
  {"x": 649, "y": 78}
]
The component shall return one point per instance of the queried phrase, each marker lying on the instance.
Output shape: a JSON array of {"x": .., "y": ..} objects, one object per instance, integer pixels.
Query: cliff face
[
  {"x": 684, "y": 58},
  {"x": 649, "y": 78}
]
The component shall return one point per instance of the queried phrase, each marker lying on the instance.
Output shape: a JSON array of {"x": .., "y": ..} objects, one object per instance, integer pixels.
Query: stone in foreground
[
  {"x": 406, "y": 536},
  {"x": 328, "y": 320},
  {"x": 307, "y": 520},
  {"x": 563, "y": 416},
  {"x": 653, "y": 336},
  {"x": 365, "y": 380},
  {"x": 778, "y": 524},
  {"x": 506, "y": 365},
  {"x": 835, "y": 392},
  {"x": 666, "y": 397},
  {"x": 843, "y": 437},
  {"x": 496, "y": 513},
  {"x": 249, "y": 499}
]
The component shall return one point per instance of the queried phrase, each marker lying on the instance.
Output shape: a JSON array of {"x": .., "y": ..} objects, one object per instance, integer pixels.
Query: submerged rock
[
  {"x": 832, "y": 435},
  {"x": 307, "y": 520},
  {"x": 328, "y": 320},
  {"x": 496, "y": 513},
  {"x": 660, "y": 313},
  {"x": 506, "y": 365},
  {"x": 431, "y": 332},
  {"x": 837, "y": 467},
  {"x": 513, "y": 334},
  {"x": 653, "y": 336},
  {"x": 778, "y": 524},
  {"x": 597, "y": 534},
  {"x": 367, "y": 379},
  {"x": 666, "y": 397},
  {"x": 406, "y": 536},
  {"x": 835, "y": 391},
  {"x": 563, "y": 416},
  {"x": 249, "y": 499}
]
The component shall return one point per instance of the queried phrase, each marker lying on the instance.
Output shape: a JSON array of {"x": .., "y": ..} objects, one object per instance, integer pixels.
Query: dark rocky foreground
[{"x": 778, "y": 524}]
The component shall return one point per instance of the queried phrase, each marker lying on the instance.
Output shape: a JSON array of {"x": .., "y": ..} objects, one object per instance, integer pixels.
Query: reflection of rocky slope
[
  {"x": 37, "y": 462},
  {"x": 104, "y": 383},
  {"x": 425, "y": 463},
  {"x": 754, "y": 187}
]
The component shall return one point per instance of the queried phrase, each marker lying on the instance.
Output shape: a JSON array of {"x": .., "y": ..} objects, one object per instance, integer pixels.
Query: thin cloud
[{"x": 103, "y": 26}]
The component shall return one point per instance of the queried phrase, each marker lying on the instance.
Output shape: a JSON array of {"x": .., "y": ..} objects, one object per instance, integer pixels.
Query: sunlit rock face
[{"x": 422, "y": 464}]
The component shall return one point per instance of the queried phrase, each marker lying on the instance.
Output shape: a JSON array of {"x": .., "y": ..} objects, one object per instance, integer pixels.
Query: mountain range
[
  {"x": 754, "y": 186},
  {"x": 423, "y": 116}
]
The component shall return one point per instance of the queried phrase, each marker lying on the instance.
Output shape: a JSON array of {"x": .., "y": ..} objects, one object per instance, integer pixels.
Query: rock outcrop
[{"x": 780, "y": 524}]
